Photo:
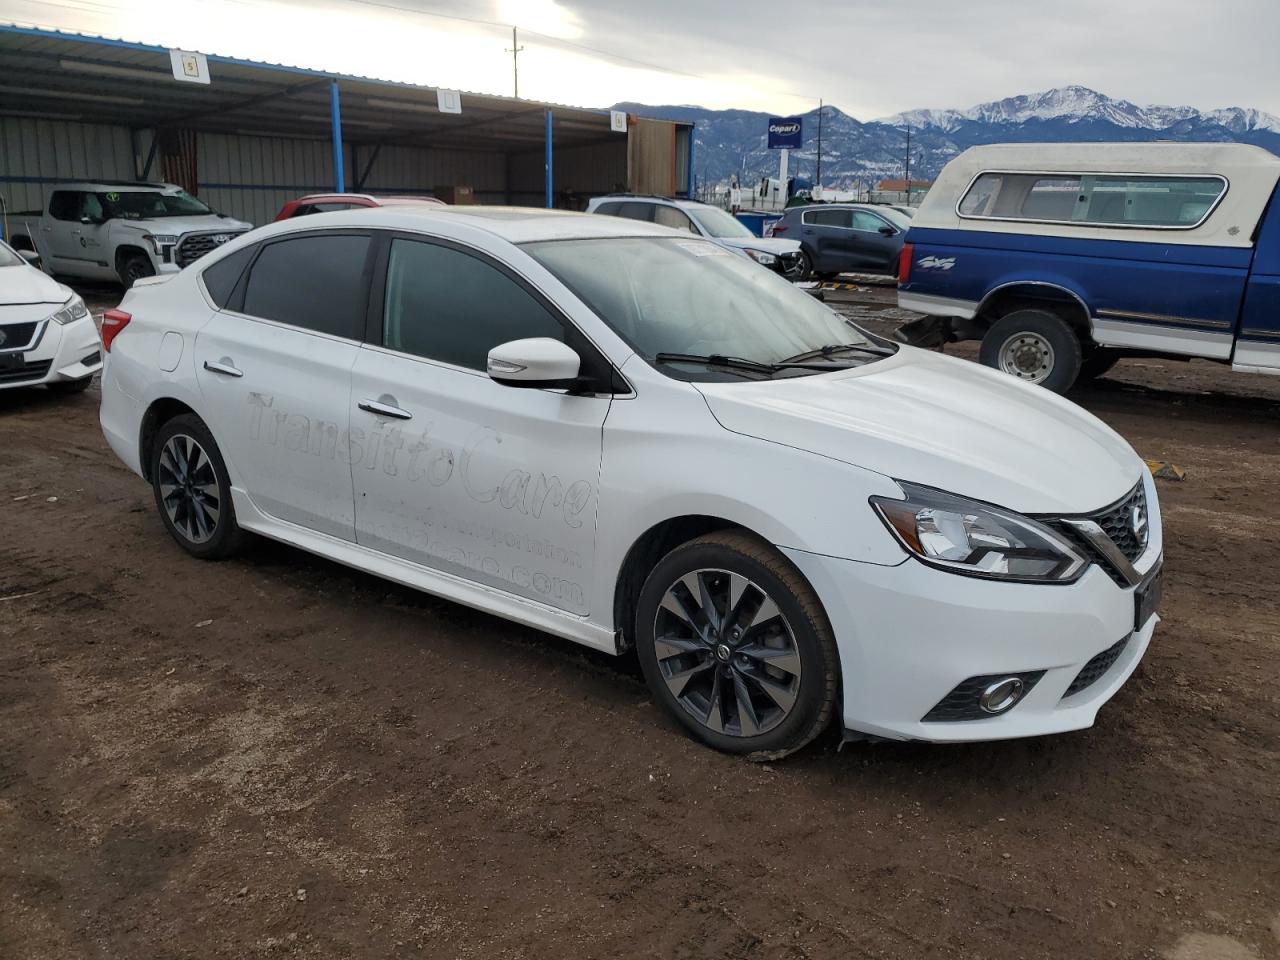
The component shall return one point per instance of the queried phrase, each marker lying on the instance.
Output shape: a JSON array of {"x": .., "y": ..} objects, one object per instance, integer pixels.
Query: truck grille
[
  {"x": 24, "y": 372},
  {"x": 195, "y": 245}
]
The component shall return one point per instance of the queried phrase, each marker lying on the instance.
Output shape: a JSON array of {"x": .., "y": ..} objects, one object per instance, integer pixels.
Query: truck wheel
[
  {"x": 133, "y": 268},
  {"x": 1036, "y": 346},
  {"x": 1097, "y": 362}
]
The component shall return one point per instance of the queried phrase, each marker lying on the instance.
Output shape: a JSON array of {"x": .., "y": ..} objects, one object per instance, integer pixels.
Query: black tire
[
  {"x": 133, "y": 268},
  {"x": 827, "y": 276},
  {"x": 68, "y": 387},
  {"x": 224, "y": 536},
  {"x": 1097, "y": 362},
  {"x": 799, "y": 638},
  {"x": 804, "y": 268},
  {"x": 1017, "y": 340}
]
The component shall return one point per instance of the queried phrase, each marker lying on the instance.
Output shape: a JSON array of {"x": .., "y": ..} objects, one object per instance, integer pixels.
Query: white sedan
[
  {"x": 629, "y": 437},
  {"x": 46, "y": 334}
]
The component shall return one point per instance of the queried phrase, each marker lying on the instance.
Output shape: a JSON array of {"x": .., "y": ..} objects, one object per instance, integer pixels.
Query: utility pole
[
  {"x": 515, "y": 59},
  {"x": 818, "y": 177},
  {"x": 907, "y": 173}
]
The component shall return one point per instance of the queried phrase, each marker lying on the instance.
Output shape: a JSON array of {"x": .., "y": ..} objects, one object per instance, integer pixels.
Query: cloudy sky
[{"x": 868, "y": 57}]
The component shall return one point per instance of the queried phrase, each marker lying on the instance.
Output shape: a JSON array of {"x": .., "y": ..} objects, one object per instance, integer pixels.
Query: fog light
[{"x": 1001, "y": 695}]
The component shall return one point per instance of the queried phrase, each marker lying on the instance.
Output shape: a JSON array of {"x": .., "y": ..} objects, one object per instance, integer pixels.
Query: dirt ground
[{"x": 277, "y": 756}]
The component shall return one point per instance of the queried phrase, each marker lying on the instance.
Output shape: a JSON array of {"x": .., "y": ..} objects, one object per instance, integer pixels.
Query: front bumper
[
  {"x": 908, "y": 635},
  {"x": 61, "y": 353}
]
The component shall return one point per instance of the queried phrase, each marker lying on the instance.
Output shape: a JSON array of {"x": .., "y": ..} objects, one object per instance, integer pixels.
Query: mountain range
[{"x": 856, "y": 154}]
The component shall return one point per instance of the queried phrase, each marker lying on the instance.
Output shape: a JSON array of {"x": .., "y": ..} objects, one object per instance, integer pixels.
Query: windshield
[
  {"x": 8, "y": 258},
  {"x": 690, "y": 296},
  {"x": 150, "y": 205},
  {"x": 718, "y": 223}
]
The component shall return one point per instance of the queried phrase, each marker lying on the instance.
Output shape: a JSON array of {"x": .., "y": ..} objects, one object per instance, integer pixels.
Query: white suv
[
  {"x": 628, "y": 437},
  {"x": 710, "y": 223}
]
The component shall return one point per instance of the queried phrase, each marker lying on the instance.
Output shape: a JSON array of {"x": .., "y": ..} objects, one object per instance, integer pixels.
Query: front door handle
[
  {"x": 224, "y": 367},
  {"x": 380, "y": 409}
]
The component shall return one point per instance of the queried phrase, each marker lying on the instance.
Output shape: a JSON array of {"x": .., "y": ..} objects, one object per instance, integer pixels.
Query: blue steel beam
[
  {"x": 339, "y": 174},
  {"x": 550, "y": 176}
]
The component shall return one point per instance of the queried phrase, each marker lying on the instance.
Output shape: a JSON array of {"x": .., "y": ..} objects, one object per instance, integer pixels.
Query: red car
[{"x": 329, "y": 202}]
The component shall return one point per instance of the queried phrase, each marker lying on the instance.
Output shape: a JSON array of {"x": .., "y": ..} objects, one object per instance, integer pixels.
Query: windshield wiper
[
  {"x": 834, "y": 348},
  {"x": 741, "y": 363}
]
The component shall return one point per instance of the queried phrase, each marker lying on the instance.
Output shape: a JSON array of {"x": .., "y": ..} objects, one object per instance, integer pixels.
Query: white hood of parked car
[
  {"x": 776, "y": 246},
  {"x": 177, "y": 226},
  {"x": 22, "y": 284},
  {"x": 944, "y": 423}
]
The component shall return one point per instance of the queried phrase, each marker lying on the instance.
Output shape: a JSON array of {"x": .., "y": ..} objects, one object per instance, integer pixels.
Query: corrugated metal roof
[{"x": 62, "y": 75}]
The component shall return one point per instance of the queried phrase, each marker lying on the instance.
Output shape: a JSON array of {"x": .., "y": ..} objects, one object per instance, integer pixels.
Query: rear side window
[
  {"x": 220, "y": 279},
  {"x": 609, "y": 209},
  {"x": 828, "y": 218},
  {"x": 64, "y": 205},
  {"x": 313, "y": 282},
  {"x": 446, "y": 305},
  {"x": 636, "y": 211},
  {"x": 1094, "y": 199}
]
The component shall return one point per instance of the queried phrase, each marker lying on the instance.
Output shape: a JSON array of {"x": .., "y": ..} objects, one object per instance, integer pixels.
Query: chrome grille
[
  {"x": 1116, "y": 522},
  {"x": 195, "y": 245}
]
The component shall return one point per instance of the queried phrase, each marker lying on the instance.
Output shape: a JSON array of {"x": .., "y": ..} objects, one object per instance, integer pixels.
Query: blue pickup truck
[{"x": 1064, "y": 258}]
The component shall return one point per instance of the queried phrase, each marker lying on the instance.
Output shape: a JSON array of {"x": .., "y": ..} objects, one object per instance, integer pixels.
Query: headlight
[
  {"x": 762, "y": 258},
  {"x": 73, "y": 310},
  {"x": 977, "y": 539},
  {"x": 158, "y": 240}
]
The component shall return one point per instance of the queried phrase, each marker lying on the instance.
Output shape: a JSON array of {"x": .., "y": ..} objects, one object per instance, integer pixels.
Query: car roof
[
  {"x": 118, "y": 186},
  {"x": 513, "y": 224}
]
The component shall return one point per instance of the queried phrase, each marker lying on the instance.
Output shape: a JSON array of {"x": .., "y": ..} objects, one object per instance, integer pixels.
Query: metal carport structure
[{"x": 83, "y": 107}]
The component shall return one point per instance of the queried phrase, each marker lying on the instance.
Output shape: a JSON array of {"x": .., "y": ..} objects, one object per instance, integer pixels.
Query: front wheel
[
  {"x": 134, "y": 268},
  {"x": 192, "y": 489},
  {"x": 1036, "y": 346},
  {"x": 803, "y": 269},
  {"x": 735, "y": 645}
]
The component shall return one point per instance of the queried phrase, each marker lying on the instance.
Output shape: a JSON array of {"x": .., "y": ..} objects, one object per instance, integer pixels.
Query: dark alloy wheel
[
  {"x": 735, "y": 644},
  {"x": 803, "y": 269},
  {"x": 135, "y": 267},
  {"x": 192, "y": 490}
]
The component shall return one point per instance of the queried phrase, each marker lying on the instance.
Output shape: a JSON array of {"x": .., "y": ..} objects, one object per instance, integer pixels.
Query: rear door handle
[
  {"x": 380, "y": 409},
  {"x": 224, "y": 367}
]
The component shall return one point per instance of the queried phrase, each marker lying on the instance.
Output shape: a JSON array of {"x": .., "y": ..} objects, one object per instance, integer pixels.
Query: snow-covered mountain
[
  {"x": 1080, "y": 103},
  {"x": 855, "y": 153}
]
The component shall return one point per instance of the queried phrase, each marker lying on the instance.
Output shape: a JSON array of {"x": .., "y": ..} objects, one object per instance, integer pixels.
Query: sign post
[{"x": 785, "y": 134}]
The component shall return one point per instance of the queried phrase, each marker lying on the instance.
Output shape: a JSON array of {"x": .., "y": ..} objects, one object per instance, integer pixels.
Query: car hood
[
  {"x": 22, "y": 284},
  {"x": 177, "y": 226},
  {"x": 945, "y": 423},
  {"x": 772, "y": 245}
]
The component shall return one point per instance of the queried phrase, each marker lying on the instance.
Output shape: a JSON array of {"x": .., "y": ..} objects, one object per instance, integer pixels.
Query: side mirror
[
  {"x": 30, "y": 256},
  {"x": 888, "y": 232},
  {"x": 538, "y": 362}
]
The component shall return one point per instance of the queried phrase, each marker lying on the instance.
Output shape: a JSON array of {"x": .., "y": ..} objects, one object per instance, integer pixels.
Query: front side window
[
  {"x": 1094, "y": 199},
  {"x": 687, "y": 296},
  {"x": 636, "y": 211},
  {"x": 867, "y": 222},
  {"x": 447, "y": 305},
  {"x": 672, "y": 217},
  {"x": 313, "y": 282}
]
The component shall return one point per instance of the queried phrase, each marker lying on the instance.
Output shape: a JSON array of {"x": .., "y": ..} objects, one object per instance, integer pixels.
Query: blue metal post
[
  {"x": 692, "y": 130},
  {"x": 339, "y": 174},
  {"x": 550, "y": 178}
]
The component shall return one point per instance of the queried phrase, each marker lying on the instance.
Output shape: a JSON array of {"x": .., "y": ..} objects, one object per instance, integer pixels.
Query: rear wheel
[
  {"x": 192, "y": 489},
  {"x": 735, "y": 644},
  {"x": 1036, "y": 346}
]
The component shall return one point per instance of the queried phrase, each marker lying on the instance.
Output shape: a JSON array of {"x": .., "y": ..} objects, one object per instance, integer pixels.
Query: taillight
[
  {"x": 904, "y": 264},
  {"x": 113, "y": 321},
  {"x": 779, "y": 228}
]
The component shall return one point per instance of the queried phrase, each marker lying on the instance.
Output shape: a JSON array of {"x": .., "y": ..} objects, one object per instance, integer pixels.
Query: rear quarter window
[
  {"x": 1160, "y": 202},
  {"x": 220, "y": 278}
]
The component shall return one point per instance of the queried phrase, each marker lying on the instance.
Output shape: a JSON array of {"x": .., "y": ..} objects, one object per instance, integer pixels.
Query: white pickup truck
[{"x": 121, "y": 231}]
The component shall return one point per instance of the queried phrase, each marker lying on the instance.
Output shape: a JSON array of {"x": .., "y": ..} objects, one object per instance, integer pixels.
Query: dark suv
[{"x": 844, "y": 238}]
